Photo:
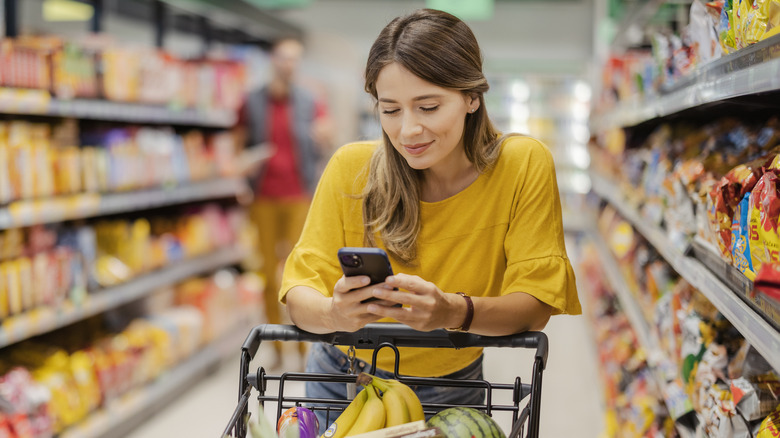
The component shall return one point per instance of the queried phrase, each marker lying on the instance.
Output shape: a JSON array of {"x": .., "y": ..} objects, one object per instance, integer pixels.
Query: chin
[{"x": 417, "y": 164}]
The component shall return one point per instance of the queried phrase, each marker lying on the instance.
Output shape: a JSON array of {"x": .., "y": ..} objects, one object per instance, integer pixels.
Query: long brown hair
[{"x": 441, "y": 49}]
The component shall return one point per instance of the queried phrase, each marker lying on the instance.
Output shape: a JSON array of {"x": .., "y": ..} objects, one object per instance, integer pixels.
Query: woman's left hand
[{"x": 425, "y": 306}]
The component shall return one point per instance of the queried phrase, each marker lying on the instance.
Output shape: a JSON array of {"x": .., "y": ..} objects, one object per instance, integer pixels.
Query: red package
[
  {"x": 766, "y": 290},
  {"x": 5, "y": 428},
  {"x": 726, "y": 195},
  {"x": 20, "y": 425}
]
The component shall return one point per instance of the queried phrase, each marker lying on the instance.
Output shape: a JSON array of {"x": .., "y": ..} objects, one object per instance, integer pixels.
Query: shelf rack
[
  {"x": 38, "y": 102},
  {"x": 750, "y": 71},
  {"x": 647, "y": 340},
  {"x": 46, "y": 319},
  {"x": 130, "y": 410},
  {"x": 750, "y": 324},
  {"x": 85, "y": 205}
]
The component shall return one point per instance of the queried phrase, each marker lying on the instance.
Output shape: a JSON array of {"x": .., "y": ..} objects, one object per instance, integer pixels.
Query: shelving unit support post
[
  {"x": 159, "y": 16},
  {"x": 11, "y": 17},
  {"x": 96, "y": 23}
]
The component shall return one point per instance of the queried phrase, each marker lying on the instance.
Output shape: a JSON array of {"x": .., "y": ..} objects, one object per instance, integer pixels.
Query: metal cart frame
[{"x": 388, "y": 335}]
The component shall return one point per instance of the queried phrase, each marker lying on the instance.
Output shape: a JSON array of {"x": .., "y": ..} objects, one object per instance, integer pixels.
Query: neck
[
  {"x": 446, "y": 180},
  {"x": 278, "y": 89}
]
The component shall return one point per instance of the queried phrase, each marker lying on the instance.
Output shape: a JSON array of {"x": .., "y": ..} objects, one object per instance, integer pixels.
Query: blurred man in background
[{"x": 287, "y": 122}]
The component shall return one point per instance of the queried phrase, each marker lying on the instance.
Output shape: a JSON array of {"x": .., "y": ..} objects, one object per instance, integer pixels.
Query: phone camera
[{"x": 352, "y": 260}]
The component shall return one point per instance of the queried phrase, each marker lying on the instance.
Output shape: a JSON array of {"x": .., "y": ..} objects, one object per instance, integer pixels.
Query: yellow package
[
  {"x": 6, "y": 192},
  {"x": 751, "y": 22},
  {"x": 772, "y": 13},
  {"x": 14, "y": 287},
  {"x": 68, "y": 170},
  {"x": 4, "y": 296},
  {"x": 43, "y": 186},
  {"x": 26, "y": 283},
  {"x": 770, "y": 427},
  {"x": 21, "y": 172},
  {"x": 139, "y": 245},
  {"x": 85, "y": 378}
]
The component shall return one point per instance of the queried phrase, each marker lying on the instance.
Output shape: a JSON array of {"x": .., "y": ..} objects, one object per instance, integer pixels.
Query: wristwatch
[{"x": 469, "y": 314}]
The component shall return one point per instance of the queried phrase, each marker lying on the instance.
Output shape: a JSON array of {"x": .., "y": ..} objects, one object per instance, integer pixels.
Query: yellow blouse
[{"x": 501, "y": 234}]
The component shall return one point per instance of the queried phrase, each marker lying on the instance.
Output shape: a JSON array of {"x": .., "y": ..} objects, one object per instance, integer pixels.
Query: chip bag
[
  {"x": 770, "y": 427},
  {"x": 740, "y": 248}
]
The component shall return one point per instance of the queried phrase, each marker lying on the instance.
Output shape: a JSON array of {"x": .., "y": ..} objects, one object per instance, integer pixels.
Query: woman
[{"x": 457, "y": 206}]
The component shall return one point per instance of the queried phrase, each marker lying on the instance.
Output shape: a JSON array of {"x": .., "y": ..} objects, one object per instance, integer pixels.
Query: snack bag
[
  {"x": 752, "y": 22},
  {"x": 703, "y": 35},
  {"x": 757, "y": 247},
  {"x": 740, "y": 248},
  {"x": 766, "y": 293},
  {"x": 726, "y": 196},
  {"x": 769, "y": 213},
  {"x": 725, "y": 30},
  {"x": 770, "y": 427},
  {"x": 772, "y": 12}
]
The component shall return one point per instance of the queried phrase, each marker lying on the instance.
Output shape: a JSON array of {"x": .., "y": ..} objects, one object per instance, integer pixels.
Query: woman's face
[{"x": 423, "y": 121}]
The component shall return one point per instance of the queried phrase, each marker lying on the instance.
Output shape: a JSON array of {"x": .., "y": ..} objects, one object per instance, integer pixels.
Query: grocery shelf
[
  {"x": 627, "y": 301},
  {"x": 49, "y": 210},
  {"x": 752, "y": 325},
  {"x": 39, "y": 102},
  {"x": 130, "y": 410},
  {"x": 46, "y": 319},
  {"x": 750, "y": 71},
  {"x": 647, "y": 340}
]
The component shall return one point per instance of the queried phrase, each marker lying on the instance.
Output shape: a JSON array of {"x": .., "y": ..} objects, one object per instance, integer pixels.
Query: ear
[{"x": 473, "y": 100}]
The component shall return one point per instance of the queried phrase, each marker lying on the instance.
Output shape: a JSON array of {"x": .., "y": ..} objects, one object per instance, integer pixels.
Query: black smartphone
[{"x": 372, "y": 262}]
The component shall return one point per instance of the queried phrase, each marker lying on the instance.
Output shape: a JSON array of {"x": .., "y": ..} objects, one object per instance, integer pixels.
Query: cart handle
[{"x": 400, "y": 335}]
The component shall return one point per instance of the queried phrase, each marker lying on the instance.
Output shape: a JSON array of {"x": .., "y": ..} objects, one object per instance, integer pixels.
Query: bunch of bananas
[{"x": 383, "y": 403}]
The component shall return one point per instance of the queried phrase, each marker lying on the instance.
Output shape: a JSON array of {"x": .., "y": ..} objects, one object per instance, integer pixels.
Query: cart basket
[{"x": 391, "y": 335}]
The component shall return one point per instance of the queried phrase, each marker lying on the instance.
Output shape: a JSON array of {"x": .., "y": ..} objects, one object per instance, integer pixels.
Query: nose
[{"x": 410, "y": 125}]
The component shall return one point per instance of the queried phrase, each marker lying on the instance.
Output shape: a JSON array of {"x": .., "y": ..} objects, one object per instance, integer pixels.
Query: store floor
[{"x": 571, "y": 398}]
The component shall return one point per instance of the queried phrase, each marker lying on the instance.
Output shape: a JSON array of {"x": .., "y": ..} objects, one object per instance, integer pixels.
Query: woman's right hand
[{"x": 347, "y": 312}]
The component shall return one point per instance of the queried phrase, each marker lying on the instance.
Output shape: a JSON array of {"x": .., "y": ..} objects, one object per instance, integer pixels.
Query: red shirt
[{"x": 280, "y": 178}]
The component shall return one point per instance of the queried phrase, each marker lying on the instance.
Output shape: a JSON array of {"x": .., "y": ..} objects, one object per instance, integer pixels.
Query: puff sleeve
[{"x": 537, "y": 263}]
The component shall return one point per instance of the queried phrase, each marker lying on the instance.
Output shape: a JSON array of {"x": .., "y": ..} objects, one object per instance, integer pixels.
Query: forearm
[
  {"x": 508, "y": 314},
  {"x": 309, "y": 309}
]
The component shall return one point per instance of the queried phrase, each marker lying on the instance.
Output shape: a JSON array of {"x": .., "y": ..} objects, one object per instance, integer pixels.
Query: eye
[
  {"x": 429, "y": 109},
  {"x": 389, "y": 112}
]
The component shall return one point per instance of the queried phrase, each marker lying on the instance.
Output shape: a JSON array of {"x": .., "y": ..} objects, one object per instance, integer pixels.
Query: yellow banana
[
  {"x": 411, "y": 400},
  {"x": 346, "y": 420},
  {"x": 372, "y": 416},
  {"x": 395, "y": 407}
]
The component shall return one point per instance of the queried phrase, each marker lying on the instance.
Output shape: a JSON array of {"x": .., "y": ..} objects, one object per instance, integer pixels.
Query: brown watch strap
[{"x": 469, "y": 313}]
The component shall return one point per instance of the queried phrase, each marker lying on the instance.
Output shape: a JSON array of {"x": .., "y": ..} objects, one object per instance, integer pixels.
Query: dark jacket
[{"x": 303, "y": 113}]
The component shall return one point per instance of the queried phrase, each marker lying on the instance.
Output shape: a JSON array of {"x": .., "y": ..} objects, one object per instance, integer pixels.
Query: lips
[{"x": 417, "y": 148}]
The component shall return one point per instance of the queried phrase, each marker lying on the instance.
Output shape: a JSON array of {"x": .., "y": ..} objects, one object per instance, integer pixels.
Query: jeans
[{"x": 325, "y": 358}]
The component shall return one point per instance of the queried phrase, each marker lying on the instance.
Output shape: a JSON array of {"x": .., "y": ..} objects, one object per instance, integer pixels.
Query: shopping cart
[{"x": 388, "y": 335}]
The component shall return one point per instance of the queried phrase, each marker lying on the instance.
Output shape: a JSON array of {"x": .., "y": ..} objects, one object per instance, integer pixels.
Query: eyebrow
[{"x": 427, "y": 96}]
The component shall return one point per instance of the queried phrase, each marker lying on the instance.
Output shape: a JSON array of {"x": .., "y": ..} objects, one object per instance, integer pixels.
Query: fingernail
[{"x": 365, "y": 280}]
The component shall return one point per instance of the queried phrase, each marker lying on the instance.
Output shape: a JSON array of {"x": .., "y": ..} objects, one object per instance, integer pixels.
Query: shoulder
[
  {"x": 351, "y": 160},
  {"x": 523, "y": 158},
  {"x": 523, "y": 147},
  {"x": 357, "y": 152}
]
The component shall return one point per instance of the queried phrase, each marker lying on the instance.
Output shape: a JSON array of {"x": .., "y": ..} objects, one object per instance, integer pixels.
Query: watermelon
[{"x": 462, "y": 422}]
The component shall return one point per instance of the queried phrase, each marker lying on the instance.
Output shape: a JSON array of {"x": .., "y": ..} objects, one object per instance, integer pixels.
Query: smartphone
[{"x": 372, "y": 262}]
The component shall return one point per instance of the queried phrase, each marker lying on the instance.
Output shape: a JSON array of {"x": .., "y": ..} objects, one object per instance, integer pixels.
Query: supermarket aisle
[{"x": 571, "y": 402}]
